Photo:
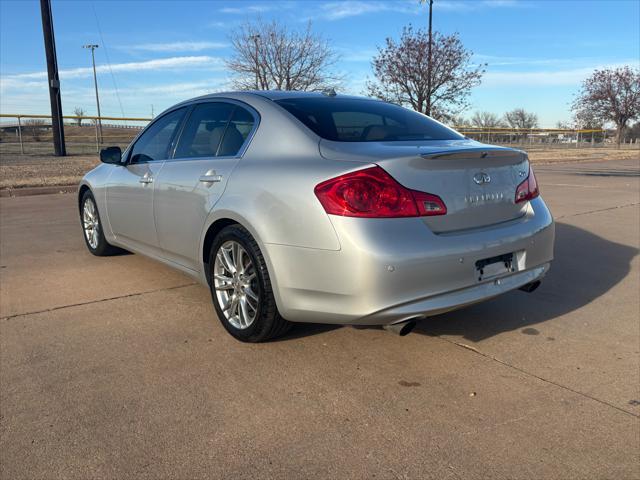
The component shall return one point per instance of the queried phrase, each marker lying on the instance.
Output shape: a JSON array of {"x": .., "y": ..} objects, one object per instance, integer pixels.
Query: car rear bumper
[{"x": 391, "y": 270}]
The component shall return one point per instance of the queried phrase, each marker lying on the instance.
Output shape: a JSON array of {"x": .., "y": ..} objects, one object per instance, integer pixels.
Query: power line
[{"x": 106, "y": 53}]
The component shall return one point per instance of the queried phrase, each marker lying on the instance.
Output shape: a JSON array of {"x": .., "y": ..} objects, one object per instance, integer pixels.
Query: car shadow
[
  {"x": 301, "y": 330},
  {"x": 586, "y": 266}
]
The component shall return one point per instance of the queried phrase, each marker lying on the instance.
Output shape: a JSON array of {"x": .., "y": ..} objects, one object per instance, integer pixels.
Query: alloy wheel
[
  {"x": 91, "y": 223},
  {"x": 236, "y": 284}
]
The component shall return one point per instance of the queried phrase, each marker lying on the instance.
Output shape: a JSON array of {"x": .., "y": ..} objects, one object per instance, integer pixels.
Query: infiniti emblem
[{"x": 481, "y": 178}]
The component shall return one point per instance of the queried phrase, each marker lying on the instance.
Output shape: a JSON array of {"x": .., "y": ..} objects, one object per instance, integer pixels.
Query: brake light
[
  {"x": 373, "y": 193},
  {"x": 528, "y": 189}
]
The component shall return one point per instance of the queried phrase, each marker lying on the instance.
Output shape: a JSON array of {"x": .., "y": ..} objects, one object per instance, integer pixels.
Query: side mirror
[{"x": 111, "y": 155}]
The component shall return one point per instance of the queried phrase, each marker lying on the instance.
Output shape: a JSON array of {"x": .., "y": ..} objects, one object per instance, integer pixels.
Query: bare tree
[
  {"x": 35, "y": 127},
  {"x": 402, "y": 74},
  {"x": 560, "y": 125},
  {"x": 486, "y": 120},
  {"x": 520, "y": 118},
  {"x": 610, "y": 95},
  {"x": 458, "y": 121},
  {"x": 269, "y": 56},
  {"x": 633, "y": 131},
  {"x": 79, "y": 112}
]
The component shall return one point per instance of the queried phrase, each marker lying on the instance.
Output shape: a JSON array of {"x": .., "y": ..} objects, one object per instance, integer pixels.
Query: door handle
[
  {"x": 210, "y": 178},
  {"x": 146, "y": 179}
]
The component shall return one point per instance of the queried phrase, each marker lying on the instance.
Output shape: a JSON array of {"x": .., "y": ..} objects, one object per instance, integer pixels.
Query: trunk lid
[{"x": 476, "y": 182}]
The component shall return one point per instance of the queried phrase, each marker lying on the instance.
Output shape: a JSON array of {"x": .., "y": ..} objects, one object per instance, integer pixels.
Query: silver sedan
[{"x": 313, "y": 207}]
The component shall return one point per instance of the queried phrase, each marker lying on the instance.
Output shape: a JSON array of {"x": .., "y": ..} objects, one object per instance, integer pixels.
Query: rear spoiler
[{"x": 495, "y": 156}]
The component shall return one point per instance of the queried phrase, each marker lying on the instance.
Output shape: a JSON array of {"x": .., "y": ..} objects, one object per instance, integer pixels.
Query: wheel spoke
[
  {"x": 228, "y": 261},
  {"x": 229, "y": 304},
  {"x": 244, "y": 313},
  {"x": 251, "y": 294},
  {"x": 223, "y": 278},
  {"x": 236, "y": 250},
  {"x": 234, "y": 308}
]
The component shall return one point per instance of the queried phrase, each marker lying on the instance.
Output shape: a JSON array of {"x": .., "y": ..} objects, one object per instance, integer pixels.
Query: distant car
[{"x": 312, "y": 207}]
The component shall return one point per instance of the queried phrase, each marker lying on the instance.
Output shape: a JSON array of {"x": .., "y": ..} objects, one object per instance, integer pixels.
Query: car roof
[{"x": 280, "y": 94}]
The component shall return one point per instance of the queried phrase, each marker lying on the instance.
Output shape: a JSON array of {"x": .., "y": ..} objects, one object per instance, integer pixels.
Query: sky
[{"x": 154, "y": 54}]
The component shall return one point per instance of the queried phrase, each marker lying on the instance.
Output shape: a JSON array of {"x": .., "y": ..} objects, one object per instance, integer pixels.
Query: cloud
[
  {"x": 172, "y": 63},
  {"x": 471, "y": 6},
  {"x": 496, "y": 60},
  {"x": 190, "y": 89},
  {"x": 257, "y": 8},
  {"x": 176, "y": 46},
  {"x": 353, "y": 8},
  {"x": 136, "y": 98},
  {"x": 551, "y": 78},
  {"x": 219, "y": 24},
  {"x": 356, "y": 54},
  {"x": 337, "y": 10}
]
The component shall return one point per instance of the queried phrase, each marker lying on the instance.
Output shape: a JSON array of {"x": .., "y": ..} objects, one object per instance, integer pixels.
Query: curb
[{"x": 30, "y": 191}]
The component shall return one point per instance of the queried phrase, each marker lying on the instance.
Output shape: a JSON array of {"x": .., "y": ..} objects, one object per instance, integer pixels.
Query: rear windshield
[{"x": 355, "y": 120}]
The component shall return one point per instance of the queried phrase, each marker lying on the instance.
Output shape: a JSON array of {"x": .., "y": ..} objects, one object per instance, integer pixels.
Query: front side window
[
  {"x": 362, "y": 120},
  {"x": 205, "y": 130},
  {"x": 156, "y": 141}
]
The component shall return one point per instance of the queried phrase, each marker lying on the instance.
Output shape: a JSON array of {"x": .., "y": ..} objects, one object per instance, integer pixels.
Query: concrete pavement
[{"x": 117, "y": 367}]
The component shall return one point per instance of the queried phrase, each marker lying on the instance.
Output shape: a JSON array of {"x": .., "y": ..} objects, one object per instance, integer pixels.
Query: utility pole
[
  {"x": 57, "y": 126},
  {"x": 429, "y": 60},
  {"x": 95, "y": 83},
  {"x": 256, "y": 39}
]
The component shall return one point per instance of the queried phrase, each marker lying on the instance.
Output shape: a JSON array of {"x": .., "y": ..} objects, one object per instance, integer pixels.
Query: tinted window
[
  {"x": 354, "y": 120},
  {"x": 204, "y": 130},
  {"x": 157, "y": 140},
  {"x": 237, "y": 132}
]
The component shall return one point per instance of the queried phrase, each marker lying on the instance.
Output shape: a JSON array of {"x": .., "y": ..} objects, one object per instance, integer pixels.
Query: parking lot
[{"x": 117, "y": 367}]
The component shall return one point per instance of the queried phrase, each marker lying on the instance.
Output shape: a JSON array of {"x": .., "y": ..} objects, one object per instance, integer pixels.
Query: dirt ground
[{"x": 19, "y": 171}]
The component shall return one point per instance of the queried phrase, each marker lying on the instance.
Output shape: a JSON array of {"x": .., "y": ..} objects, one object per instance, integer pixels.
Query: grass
[{"x": 43, "y": 169}]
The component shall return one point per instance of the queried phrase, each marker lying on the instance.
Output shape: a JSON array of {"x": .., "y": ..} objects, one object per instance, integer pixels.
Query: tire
[
  {"x": 92, "y": 230},
  {"x": 238, "y": 273}
]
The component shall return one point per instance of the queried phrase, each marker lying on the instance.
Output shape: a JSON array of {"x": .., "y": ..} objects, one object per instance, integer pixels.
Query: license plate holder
[{"x": 494, "y": 266}]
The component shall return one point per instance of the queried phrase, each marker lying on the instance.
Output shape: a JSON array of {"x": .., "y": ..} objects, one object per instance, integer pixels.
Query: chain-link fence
[
  {"x": 32, "y": 134},
  {"x": 547, "y": 137}
]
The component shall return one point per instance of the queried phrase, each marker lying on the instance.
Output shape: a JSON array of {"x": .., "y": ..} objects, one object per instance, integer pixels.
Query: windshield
[{"x": 356, "y": 120}]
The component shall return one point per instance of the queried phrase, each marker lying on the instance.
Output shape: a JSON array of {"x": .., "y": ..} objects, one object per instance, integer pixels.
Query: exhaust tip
[
  {"x": 530, "y": 287},
  {"x": 401, "y": 329}
]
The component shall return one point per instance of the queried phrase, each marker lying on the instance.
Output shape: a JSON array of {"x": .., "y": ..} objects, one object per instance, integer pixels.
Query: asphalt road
[{"x": 118, "y": 368}]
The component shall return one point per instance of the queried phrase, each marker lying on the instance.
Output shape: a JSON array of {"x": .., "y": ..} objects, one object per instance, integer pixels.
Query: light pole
[
  {"x": 95, "y": 83},
  {"x": 256, "y": 39},
  {"x": 428, "y": 112}
]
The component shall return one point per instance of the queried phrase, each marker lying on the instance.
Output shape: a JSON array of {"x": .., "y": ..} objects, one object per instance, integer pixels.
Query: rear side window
[
  {"x": 204, "y": 130},
  {"x": 156, "y": 141},
  {"x": 237, "y": 132},
  {"x": 355, "y": 120}
]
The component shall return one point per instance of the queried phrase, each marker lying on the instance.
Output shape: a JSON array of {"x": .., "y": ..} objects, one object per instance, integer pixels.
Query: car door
[
  {"x": 130, "y": 188},
  {"x": 212, "y": 141}
]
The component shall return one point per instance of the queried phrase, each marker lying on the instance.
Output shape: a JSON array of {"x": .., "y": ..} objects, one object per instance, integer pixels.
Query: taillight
[
  {"x": 528, "y": 189},
  {"x": 373, "y": 193}
]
